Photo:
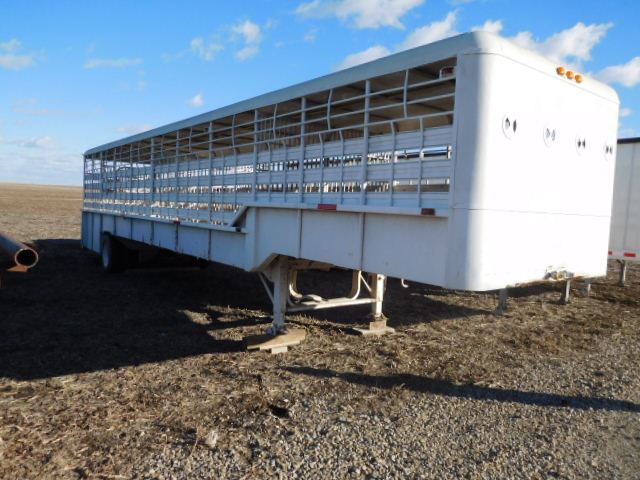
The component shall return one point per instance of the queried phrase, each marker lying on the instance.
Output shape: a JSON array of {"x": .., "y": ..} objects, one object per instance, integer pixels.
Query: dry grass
[{"x": 99, "y": 374}]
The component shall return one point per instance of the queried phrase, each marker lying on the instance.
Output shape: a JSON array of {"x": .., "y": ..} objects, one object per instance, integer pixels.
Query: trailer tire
[{"x": 113, "y": 256}]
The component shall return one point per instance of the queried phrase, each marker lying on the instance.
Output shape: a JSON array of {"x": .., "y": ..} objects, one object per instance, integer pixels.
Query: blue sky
[{"x": 74, "y": 74}]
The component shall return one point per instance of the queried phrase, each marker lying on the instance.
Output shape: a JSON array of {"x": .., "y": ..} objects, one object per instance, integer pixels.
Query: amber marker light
[
  {"x": 579, "y": 78},
  {"x": 560, "y": 70},
  {"x": 570, "y": 75}
]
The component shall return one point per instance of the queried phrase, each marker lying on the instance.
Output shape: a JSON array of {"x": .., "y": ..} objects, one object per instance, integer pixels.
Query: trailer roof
[
  {"x": 447, "y": 48},
  {"x": 628, "y": 140}
]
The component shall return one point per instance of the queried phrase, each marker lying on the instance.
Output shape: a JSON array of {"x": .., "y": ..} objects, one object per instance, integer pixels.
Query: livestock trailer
[
  {"x": 469, "y": 163},
  {"x": 624, "y": 241}
]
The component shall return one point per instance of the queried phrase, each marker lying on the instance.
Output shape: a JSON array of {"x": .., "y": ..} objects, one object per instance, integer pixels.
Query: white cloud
[
  {"x": 247, "y": 52},
  {"x": 31, "y": 106},
  {"x": 205, "y": 50},
  {"x": 112, "y": 63},
  {"x": 311, "y": 36},
  {"x": 251, "y": 32},
  {"x": 46, "y": 166},
  {"x": 431, "y": 33},
  {"x": 625, "y": 112},
  {"x": 11, "y": 60},
  {"x": 363, "y": 13},
  {"x": 33, "y": 142},
  {"x": 627, "y": 132},
  {"x": 39, "y": 142},
  {"x": 491, "y": 26},
  {"x": 627, "y": 74},
  {"x": 569, "y": 46},
  {"x": 11, "y": 46},
  {"x": 368, "y": 55},
  {"x": 132, "y": 129},
  {"x": 196, "y": 101},
  {"x": 251, "y": 35}
]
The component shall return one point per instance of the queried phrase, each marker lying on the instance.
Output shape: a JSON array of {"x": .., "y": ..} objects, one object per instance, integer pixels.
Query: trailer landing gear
[
  {"x": 565, "y": 296},
  {"x": 503, "y": 300},
  {"x": 378, "y": 324},
  {"x": 286, "y": 298},
  {"x": 622, "y": 279}
]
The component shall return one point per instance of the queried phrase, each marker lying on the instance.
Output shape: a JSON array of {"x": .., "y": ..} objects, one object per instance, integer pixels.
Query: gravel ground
[{"x": 143, "y": 375}]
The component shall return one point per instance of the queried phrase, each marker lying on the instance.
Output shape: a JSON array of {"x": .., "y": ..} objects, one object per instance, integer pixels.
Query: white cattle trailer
[
  {"x": 624, "y": 242},
  {"x": 469, "y": 163}
]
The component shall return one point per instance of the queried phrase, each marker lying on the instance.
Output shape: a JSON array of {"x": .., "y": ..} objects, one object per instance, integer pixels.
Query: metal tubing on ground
[{"x": 21, "y": 256}]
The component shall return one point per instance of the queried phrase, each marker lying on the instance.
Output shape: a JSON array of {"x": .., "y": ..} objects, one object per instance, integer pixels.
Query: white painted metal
[
  {"x": 624, "y": 241},
  {"x": 489, "y": 176}
]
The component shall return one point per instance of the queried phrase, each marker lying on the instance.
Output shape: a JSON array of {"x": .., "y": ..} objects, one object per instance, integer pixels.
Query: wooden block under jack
[
  {"x": 377, "y": 327},
  {"x": 275, "y": 344}
]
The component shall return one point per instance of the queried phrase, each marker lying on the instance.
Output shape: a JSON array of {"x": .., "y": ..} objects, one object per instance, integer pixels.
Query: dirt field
[{"x": 143, "y": 375}]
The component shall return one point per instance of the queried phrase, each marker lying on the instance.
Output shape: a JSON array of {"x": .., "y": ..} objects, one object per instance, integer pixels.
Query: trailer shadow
[
  {"x": 66, "y": 316},
  {"x": 446, "y": 388}
]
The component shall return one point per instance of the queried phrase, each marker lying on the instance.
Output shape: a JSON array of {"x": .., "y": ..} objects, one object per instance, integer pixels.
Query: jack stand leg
[
  {"x": 277, "y": 338},
  {"x": 586, "y": 289},
  {"x": 378, "y": 323},
  {"x": 503, "y": 301},
  {"x": 623, "y": 274},
  {"x": 566, "y": 293},
  {"x": 280, "y": 294}
]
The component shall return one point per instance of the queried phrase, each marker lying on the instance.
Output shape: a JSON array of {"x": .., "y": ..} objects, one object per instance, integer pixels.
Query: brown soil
[{"x": 144, "y": 375}]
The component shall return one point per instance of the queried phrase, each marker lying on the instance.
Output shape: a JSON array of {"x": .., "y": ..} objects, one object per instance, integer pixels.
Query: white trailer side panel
[{"x": 624, "y": 242}]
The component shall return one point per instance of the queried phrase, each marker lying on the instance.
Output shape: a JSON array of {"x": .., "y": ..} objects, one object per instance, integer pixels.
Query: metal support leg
[
  {"x": 623, "y": 273},
  {"x": 278, "y": 338},
  {"x": 503, "y": 300},
  {"x": 378, "y": 323},
  {"x": 566, "y": 293},
  {"x": 586, "y": 289},
  {"x": 280, "y": 277},
  {"x": 377, "y": 293}
]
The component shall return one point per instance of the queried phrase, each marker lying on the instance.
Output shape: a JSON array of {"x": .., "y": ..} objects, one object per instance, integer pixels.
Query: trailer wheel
[{"x": 113, "y": 256}]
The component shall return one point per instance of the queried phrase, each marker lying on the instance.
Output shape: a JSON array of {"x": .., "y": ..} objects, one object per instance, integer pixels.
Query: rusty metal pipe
[{"x": 21, "y": 256}]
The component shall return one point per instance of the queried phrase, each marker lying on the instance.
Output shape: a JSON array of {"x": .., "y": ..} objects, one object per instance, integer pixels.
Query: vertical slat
[
  {"x": 392, "y": 166},
  {"x": 303, "y": 130},
  {"x": 130, "y": 204},
  {"x": 153, "y": 175},
  {"x": 177, "y": 172},
  {"x": 365, "y": 143},
  {"x": 420, "y": 165},
  {"x": 405, "y": 93},
  {"x": 210, "y": 171},
  {"x": 256, "y": 150}
]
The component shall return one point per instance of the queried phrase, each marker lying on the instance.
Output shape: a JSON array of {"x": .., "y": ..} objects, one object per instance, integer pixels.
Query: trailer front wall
[{"x": 533, "y": 174}]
